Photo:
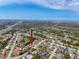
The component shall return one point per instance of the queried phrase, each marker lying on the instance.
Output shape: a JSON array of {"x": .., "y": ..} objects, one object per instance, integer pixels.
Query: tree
[
  {"x": 67, "y": 56},
  {"x": 35, "y": 56}
]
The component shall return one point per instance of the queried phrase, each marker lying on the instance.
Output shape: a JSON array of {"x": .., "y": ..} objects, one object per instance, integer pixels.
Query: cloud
[
  {"x": 74, "y": 5},
  {"x": 53, "y": 4}
]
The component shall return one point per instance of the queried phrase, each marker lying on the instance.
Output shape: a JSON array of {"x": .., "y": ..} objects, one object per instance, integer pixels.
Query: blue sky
[{"x": 39, "y": 9}]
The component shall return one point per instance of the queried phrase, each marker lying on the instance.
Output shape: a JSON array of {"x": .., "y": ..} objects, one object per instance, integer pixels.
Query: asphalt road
[{"x": 9, "y": 28}]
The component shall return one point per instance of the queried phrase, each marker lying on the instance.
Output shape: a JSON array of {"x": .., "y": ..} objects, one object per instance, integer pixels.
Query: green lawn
[{"x": 24, "y": 40}]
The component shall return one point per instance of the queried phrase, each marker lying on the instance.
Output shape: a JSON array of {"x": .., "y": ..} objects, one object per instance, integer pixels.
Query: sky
[{"x": 40, "y": 9}]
